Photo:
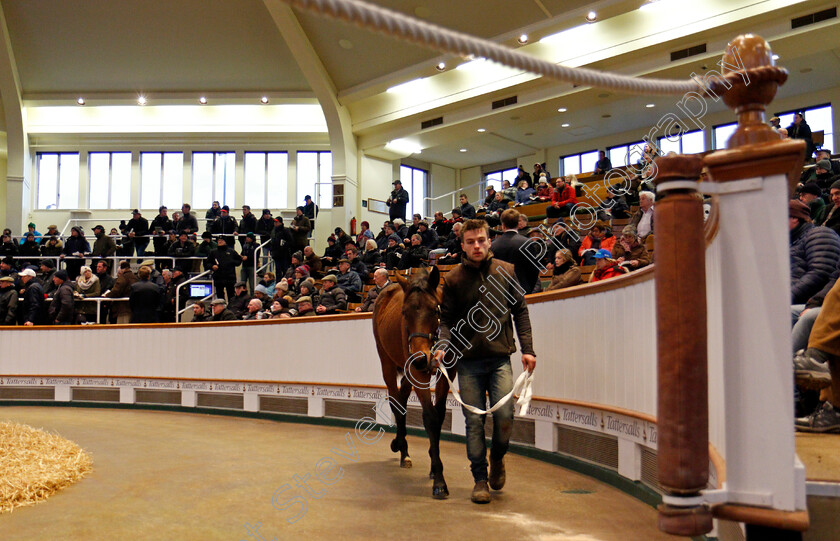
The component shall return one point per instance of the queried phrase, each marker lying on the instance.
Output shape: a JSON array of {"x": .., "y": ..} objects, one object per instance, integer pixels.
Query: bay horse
[{"x": 406, "y": 316}]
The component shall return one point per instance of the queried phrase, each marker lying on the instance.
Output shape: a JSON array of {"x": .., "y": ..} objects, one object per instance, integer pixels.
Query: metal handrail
[
  {"x": 257, "y": 254},
  {"x": 178, "y": 294},
  {"x": 452, "y": 194}
]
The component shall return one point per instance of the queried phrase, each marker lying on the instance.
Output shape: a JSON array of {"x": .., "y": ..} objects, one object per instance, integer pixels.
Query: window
[
  {"x": 266, "y": 179},
  {"x": 110, "y": 180},
  {"x": 722, "y": 133},
  {"x": 625, "y": 155},
  {"x": 161, "y": 179},
  {"x": 58, "y": 181},
  {"x": 214, "y": 179},
  {"x": 414, "y": 182},
  {"x": 818, "y": 118},
  {"x": 495, "y": 178},
  {"x": 315, "y": 168},
  {"x": 692, "y": 142},
  {"x": 576, "y": 164}
]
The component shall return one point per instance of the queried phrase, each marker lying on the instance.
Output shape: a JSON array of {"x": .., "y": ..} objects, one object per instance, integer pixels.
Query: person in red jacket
[
  {"x": 599, "y": 237},
  {"x": 562, "y": 200},
  {"x": 605, "y": 267}
]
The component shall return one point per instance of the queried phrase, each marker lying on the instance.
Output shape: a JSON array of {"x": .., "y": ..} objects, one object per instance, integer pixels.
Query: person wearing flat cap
[
  {"x": 332, "y": 297},
  {"x": 220, "y": 311},
  {"x": 62, "y": 307},
  {"x": 8, "y": 300},
  {"x": 814, "y": 254},
  {"x": 397, "y": 201},
  {"x": 303, "y": 307}
]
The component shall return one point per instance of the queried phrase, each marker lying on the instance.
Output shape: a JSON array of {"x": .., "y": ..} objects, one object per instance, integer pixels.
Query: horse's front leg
[{"x": 432, "y": 424}]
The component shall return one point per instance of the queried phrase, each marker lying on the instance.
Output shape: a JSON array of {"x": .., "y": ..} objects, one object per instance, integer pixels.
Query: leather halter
[{"x": 432, "y": 337}]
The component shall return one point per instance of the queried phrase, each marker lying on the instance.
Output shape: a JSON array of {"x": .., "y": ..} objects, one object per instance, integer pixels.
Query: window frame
[
  {"x": 213, "y": 195},
  {"x": 162, "y": 190},
  {"x": 322, "y": 200},
  {"x": 266, "y": 190},
  {"x": 59, "y": 155},
  {"x": 562, "y": 168}
]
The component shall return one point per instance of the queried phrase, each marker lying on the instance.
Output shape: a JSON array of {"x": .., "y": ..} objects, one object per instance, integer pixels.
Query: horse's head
[{"x": 421, "y": 315}]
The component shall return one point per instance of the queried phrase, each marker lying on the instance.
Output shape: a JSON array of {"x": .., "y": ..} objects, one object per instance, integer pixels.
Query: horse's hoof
[
  {"x": 405, "y": 463},
  {"x": 440, "y": 493},
  {"x": 394, "y": 446}
]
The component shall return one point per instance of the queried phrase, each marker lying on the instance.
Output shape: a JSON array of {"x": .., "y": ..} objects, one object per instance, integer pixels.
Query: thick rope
[
  {"x": 521, "y": 388},
  {"x": 393, "y": 23}
]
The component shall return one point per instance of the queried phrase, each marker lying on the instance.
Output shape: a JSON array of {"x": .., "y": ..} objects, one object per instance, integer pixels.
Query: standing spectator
[
  {"x": 103, "y": 246},
  {"x": 248, "y": 223},
  {"x": 223, "y": 262},
  {"x": 138, "y": 230},
  {"x": 467, "y": 210},
  {"x": 333, "y": 298},
  {"x": 397, "y": 201},
  {"x": 603, "y": 165},
  {"x": 77, "y": 247},
  {"x": 522, "y": 174},
  {"x": 47, "y": 269},
  {"x": 169, "y": 309},
  {"x": 186, "y": 221},
  {"x": 103, "y": 273},
  {"x": 265, "y": 226},
  {"x": 509, "y": 247},
  {"x": 563, "y": 200},
  {"x": 220, "y": 311},
  {"x": 300, "y": 230},
  {"x": 120, "y": 310},
  {"x": 249, "y": 249},
  {"x": 801, "y": 130},
  {"x": 605, "y": 267},
  {"x": 225, "y": 225},
  {"x": 380, "y": 278},
  {"x": 87, "y": 286},
  {"x": 213, "y": 214},
  {"x": 814, "y": 254},
  {"x": 160, "y": 224},
  {"x": 32, "y": 311},
  {"x": 144, "y": 298},
  {"x": 643, "y": 218},
  {"x": 310, "y": 209},
  {"x": 205, "y": 248},
  {"x": 565, "y": 272},
  {"x": 8, "y": 300},
  {"x": 161, "y": 247},
  {"x": 629, "y": 252},
  {"x": 61, "y": 311}
]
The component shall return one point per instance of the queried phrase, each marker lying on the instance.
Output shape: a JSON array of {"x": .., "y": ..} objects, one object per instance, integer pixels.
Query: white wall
[
  {"x": 443, "y": 181},
  {"x": 374, "y": 182}
]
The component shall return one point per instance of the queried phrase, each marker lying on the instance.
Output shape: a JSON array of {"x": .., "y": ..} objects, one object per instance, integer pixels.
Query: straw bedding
[{"x": 35, "y": 464}]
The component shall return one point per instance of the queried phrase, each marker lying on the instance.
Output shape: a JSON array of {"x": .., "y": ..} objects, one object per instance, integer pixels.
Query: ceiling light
[
  {"x": 775, "y": 57},
  {"x": 345, "y": 44},
  {"x": 80, "y": 101},
  {"x": 264, "y": 100},
  {"x": 141, "y": 100},
  {"x": 463, "y": 150},
  {"x": 403, "y": 146},
  {"x": 561, "y": 110},
  {"x": 564, "y": 125},
  {"x": 202, "y": 100},
  {"x": 523, "y": 39},
  {"x": 650, "y": 105},
  {"x": 481, "y": 130},
  {"x": 441, "y": 66},
  {"x": 591, "y": 17}
]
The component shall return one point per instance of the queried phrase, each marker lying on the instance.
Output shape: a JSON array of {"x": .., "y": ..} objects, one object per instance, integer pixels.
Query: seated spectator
[
  {"x": 333, "y": 252},
  {"x": 605, "y": 267},
  {"x": 239, "y": 303},
  {"x": 8, "y": 247},
  {"x": 7, "y": 267},
  {"x": 342, "y": 237},
  {"x": 47, "y": 269},
  {"x": 52, "y": 231},
  {"x": 145, "y": 298},
  {"x": 281, "y": 288},
  {"x": 199, "y": 312},
  {"x": 87, "y": 285},
  {"x": 220, "y": 311},
  {"x": 301, "y": 274},
  {"x": 269, "y": 281},
  {"x": 53, "y": 247},
  {"x": 522, "y": 226},
  {"x": 562, "y": 200},
  {"x": 524, "y": 193},
  {"x": 508, "y": 191},
  {"x": 614, "y": 205},
  {"x": 489, "y": 197},
  {"x": 415, "y": 255},
  {"x": 814, "y": 254},
  {"x": 496, "y": 208},
  {"x": 349, "y": 281},
  {"x": 599, "y": 237},
  {"x": 356, "y": 263},
  {"x": 811, "y": 195},
  {"x": 62, "y": 308},
  {"x": 30, "y": 228},
  {"x": 565, "y": 271},
  {"x": 307, "y": 289},
  {"x": 121, "y": 311},
  {"x": 441, "y": 225},
  {"x": 32, "y": 310},
  {"x": 380, "y": 278},
  {"x": 522, "y": 174},
  {"x": 467, "y": 211},
  {"x": 428, "y": 237},
  {"x": 453, "y": 246},
  {"x": 830, "y": 215},
  {"x": 314, "y": 262},
  {"x": 297, "y": 261},
  {"x": 629, "y": 252},
  {"x": 253, "y": 310},
  {"x": 371, "y": 257},
  {"x": 303, "y": 307},
  {"x": 184, "y": 247},
  {"x": 332, "y": 297},
  {"x": 261, "y": 294},
  {"x": 457, "y": 217},
  {"x": 415, "y": 222},
  {"x": 603, "y": 165},
  {"x": 823, "y": 174},
  {"x": 400, "y": 228},
  {"x": 643, "y": 218},
  {"x": 544, "y": 191},
  {"x": 280, "y": 309},
  {"x": 8, "y": 300},
  {"x": 393, "y": 253},
  {"x": 29, "y": 247}
]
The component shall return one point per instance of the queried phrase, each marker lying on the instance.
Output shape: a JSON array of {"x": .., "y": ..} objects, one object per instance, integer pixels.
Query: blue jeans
[
  {"x": 802, "y": 325},
  {"x": 476, "y": 378}
]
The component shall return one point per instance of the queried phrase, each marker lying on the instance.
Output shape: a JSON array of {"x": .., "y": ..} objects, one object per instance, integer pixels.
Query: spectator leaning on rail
[
  {"x": 187, "y": 221},
  {"x": 62, "y": 308},
  {"x": 220, "y": 311},
  {"x": 265, "y": 225},
  {"x": 333, "y": 298},
  {"x": 629, "y": 252},
  {"x": 814, "y": 254},
  {"x": 32, "y": 310},
  {"x": 76, "y": 246},
  {"x": 104, "y": 245},
  {"x": 605, "y": 266},
  {"x": 8, "y": 300},
  {"x": 380, "y": 278},
  {"x": 138, "y": 230},
  {"x": 484, "y": 366},
  {"x": 29, "y": 247}
]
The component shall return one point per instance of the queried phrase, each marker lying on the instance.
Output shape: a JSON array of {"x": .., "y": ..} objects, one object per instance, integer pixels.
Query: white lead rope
[{"x": 521, "y": 388}]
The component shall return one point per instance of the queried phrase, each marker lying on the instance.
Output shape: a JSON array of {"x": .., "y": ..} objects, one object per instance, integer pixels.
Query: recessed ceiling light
[
  {"x": 591, "y": 16},
  {"x": 141, "y": 100},
  {"x": 80, "y": 101},
  {"x": 481, "y": 130},
  {"x": 202, "y": 100},
  {"x": 345, "y": 44},
  {"x": 564, "y": 125},
  {"x": 463, "y": 150},
  {"x": 264, "y": 99},
  {"x": 650, "y": 105},
  {"x": 523, "y": 39},
  {"x": 775, "y": 57},
  {"x": 441, "y": 66},
  {"x": 561, "y": 110}
]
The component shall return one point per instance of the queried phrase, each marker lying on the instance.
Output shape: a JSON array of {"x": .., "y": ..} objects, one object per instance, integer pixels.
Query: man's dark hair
[
  {"x": 510, "y": 218},
  {"x": 144, "y": 273},
  {"x": 473, "y": 224},
  {"x": 186, "y": 205},
  {"x": 162, "y": 208},
  {"x": 457, "y": 211},
  {"x": 125, "y": 265}
]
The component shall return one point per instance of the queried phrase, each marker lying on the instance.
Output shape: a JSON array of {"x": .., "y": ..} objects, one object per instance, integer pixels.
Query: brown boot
[
  {"x": 497, "y": 474},
  {"x": 481, "y": 492}
]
